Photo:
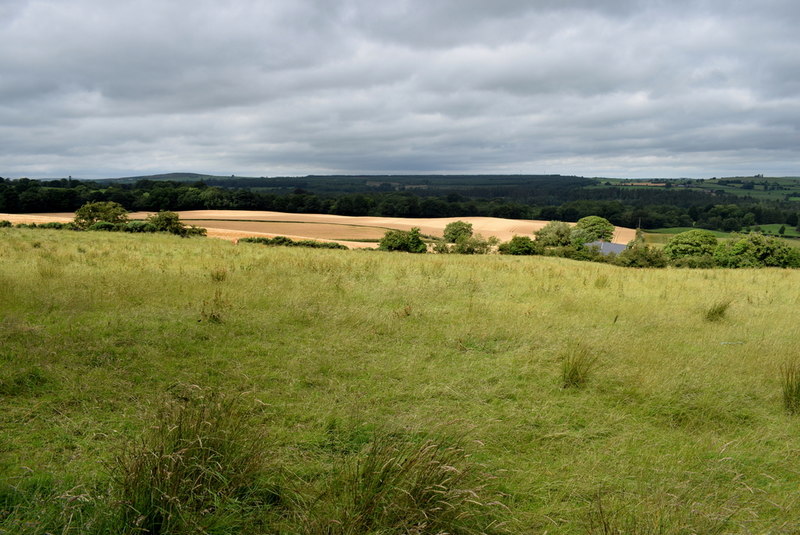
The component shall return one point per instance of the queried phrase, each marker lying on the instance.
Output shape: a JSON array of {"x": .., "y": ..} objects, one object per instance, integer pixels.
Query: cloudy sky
[{"x": 96, "y": 88}]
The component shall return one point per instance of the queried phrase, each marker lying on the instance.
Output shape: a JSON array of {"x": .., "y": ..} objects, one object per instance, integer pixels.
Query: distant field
[{"x": 234, "y": 224}]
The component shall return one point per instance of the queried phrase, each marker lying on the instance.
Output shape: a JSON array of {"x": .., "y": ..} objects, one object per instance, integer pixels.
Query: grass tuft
[
  {"x": 790, "y": 383},
  {"x": 191, "y": 473},
  {"x": 717, "y": 311},
  {"x": 402, "y": 484},
  {"x": 576, "y": 368}
]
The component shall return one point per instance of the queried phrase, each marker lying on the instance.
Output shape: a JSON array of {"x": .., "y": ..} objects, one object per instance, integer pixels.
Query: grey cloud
[{"x": 624, "y": 88}]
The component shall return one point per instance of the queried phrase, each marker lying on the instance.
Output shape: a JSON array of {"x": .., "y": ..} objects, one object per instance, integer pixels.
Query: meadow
[{"x": 587, "y": 398}]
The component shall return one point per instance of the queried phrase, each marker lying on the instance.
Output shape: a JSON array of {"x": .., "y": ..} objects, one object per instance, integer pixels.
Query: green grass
[{"x": 682, "y": 426}]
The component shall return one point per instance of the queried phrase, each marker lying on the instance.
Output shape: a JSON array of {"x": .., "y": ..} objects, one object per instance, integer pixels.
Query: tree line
[{"x": 628, "y": 207}]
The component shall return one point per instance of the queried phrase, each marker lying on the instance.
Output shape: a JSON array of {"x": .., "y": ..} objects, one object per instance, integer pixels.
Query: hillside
[{"x": 679, "y": 423}]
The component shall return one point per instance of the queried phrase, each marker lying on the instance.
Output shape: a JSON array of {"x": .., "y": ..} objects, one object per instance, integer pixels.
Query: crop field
[
  {"x": 585, "y": 398},
  {"x": 355, "y": 232}
]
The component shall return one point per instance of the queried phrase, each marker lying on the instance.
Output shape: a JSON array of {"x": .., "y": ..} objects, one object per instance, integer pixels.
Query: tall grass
[
  {"x": 400, "y": 484},
  {"x": 95, "y": 328},
  {"x": 200, "y": 460},
  {"x": 790, "y": 384}
]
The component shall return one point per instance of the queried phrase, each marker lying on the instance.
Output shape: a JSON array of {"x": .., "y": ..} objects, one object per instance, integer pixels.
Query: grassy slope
[{"x": 682, "y": 419}]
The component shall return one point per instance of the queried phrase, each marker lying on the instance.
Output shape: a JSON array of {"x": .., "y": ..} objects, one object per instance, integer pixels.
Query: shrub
[
  {"x": 94, "y": 212},
  {"x": 692, "y": 243},
  {"x": 554, "y": 234},
  {"x": 104, "y": 226},
  {"x": 55, "y": 225},
  {"x": 139, "y": 226},
  {"x": 756, "y": 250},
  {"x": 5, "y": 223},
  {"x": 595, "y": 228},
  {"x": 288, "y": 242},
  {"x": 197, "y": 465},
  {"x": 520, "y": 245},
  {"x": 641, "y": 255},
  {"x": 457, "y": 230},
  {"x": 166, "y": 221},
  {"x": 474, "y": 245},
  {"x": 401, "y": 240}
]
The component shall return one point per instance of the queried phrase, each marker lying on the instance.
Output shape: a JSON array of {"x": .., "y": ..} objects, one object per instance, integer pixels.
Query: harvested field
[{"x": 235, "y": 224}]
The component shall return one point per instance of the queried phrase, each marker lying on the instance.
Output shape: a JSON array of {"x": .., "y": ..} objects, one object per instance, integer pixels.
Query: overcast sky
[{"x": 671, "y": 88}]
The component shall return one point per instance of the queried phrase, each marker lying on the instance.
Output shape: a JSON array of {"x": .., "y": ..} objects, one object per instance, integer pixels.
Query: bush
[
  {"x": 139, "y": 226},
  {"x": 288, "y": 242},
  {"x": 520, "y": 245},
  {"x": 693, "y": 243},
  {"x": 457, "y": 230},
  {"x": 474, "y": 245},
  {"x": 400, "y": 240},
  {"x": 94, "y": 212},
  {"x": 104, "y": 226},
  {"x": 641, "y": 255},
  {"x": 756, "y": 250},
  {"x": 595, "y": 228},
  {"x": 55, "y": 225},
  {"x": 554, "y": 234},
  {"x": 166, "y": 221},
  {"x": 694, "y": 262},
  {"x": 4, "y": 223}
]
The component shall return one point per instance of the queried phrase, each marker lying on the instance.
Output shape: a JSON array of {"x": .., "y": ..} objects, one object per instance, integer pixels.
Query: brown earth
[{"x": 235, "y": 224}]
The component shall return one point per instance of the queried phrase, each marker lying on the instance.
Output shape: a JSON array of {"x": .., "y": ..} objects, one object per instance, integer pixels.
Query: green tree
[
  {"x": 457, "y": 230},
  {"x": 93, "y": 212},
  {"x": 401, "y": 240},
  {"x": 756, "y": 250},
  {"x": 692, "y": 243},
  {"x": 554, "y": 234},
  {"x": 596, "y": 227}
]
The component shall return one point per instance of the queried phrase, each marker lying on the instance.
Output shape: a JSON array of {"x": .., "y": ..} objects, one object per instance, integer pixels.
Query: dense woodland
[{"x": 516, "y": 197}]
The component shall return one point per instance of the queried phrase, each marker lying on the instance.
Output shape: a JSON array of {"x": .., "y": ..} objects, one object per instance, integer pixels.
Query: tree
[
  {"x": 756, "y": 250},
  {"x": 554, "y": 234},
  {"x": 596, "y": 227},
  {"x": 93, "y": 212},
  {"x": 401, "y": 240},
  {"x": 691, "y": 243},
  {"x": 457, "y": 230}
]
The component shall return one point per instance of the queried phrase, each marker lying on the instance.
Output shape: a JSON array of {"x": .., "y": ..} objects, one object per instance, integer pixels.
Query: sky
[{"x": 617, "y": 88}]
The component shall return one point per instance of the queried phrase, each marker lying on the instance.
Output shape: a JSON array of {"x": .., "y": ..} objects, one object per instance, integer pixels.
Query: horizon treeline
[{"x": 548, "y": 198}]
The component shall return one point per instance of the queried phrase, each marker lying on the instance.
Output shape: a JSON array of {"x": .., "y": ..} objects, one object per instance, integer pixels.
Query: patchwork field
[
  {"x": 355, "y": 232},
  {"x": 676, "y": 425}
]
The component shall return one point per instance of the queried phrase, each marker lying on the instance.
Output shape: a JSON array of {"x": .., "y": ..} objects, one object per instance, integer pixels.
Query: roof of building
[{"x": 607, "y": 247}]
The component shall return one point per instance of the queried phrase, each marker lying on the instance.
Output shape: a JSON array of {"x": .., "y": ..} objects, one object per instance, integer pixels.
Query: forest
[{"x": 702, "y": 204}]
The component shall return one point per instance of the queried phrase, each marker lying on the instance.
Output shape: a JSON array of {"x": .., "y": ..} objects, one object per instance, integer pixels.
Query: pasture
[{"x": 677, "y": 426}]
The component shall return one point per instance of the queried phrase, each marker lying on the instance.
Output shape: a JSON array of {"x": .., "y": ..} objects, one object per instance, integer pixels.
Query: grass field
[{"x": 675, "y": 424}]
